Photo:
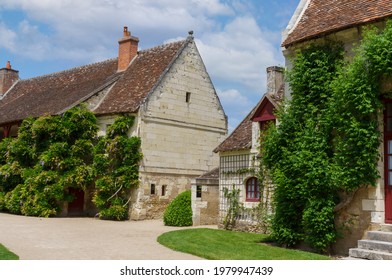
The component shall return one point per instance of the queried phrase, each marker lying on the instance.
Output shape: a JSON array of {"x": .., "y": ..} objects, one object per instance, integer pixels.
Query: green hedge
[{"x": 179, "y": 211}]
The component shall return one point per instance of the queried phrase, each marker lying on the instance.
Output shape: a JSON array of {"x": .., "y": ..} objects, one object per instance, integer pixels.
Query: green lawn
[
  {"x": 5, "y": 254},
  {"x": 215, "y": 244}
]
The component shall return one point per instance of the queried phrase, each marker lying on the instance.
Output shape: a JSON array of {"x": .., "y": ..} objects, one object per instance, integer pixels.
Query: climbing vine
[
  {"x": 234, "y": 206},
  {"x": 327, "y": 140},
  {"x": 55, "y": 153},
  {"x": 116, "y": 161},
  {"x": 50, "y": 155}
]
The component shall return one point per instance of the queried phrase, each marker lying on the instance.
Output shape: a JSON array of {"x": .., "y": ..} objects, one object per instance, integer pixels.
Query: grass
[
  {"x": 215, "y": 244},
  {"x": 6, "y": 254}
]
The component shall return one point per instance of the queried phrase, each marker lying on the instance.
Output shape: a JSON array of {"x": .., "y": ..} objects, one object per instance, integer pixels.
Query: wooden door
[
  {"x": 388, "y": 160},
  {"x": 75, "y": 207}
]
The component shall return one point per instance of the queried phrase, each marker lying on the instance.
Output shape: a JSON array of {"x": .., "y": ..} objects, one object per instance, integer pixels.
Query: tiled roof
[
  {"x": 140, "y": 78},
  {"x": 213, "y": 174},
  {"x": 240, "y": 138},
  {"x": 49, "y": 94},
  {"x": 52, "y": 94},
  {"x": 326, "y": 16}
]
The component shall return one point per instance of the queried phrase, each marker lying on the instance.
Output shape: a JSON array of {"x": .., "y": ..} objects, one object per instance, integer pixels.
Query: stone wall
[
  {"x": 205, "y": 208},
  {"x": 148, "y": 204},
  {"x": 180, "y": 124},
  {"x": 351, "y": 223}
]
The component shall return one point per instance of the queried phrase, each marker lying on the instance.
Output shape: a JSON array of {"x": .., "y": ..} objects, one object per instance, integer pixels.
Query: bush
[
  {"x": 114, "y": 212},
  {"x": 179, "y": 211}
]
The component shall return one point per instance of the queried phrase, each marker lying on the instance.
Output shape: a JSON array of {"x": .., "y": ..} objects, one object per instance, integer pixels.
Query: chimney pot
[
  {"x": 126, "y": 33},
  {"x": 8, "y": 66}
]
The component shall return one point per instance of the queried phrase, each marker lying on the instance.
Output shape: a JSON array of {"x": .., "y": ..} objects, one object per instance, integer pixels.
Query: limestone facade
[
  {"x": 180, "y": 123},
  {"x": 205, "y": 202}
]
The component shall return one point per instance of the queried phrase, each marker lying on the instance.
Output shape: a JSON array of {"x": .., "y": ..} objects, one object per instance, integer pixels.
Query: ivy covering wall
[
  {"x": 54, "y": 153},
  {"x": 327, "y": 140}
]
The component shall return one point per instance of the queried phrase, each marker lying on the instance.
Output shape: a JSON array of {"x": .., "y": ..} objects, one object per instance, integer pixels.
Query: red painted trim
[
  {"x": 387, "y": 186},
  {"x": 264, "y": 112},
  {"x": 7, "y": 130},
  {"x": 253, "y": 181}
]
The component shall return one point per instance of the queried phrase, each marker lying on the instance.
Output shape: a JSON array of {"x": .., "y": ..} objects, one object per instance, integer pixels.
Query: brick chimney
[
  {"x": 8, "y": 77},
  {"x": 127, "y": 49}
]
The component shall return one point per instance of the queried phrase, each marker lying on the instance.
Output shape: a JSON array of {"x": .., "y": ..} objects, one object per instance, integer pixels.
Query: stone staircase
[{"x": 376, "y": 246}]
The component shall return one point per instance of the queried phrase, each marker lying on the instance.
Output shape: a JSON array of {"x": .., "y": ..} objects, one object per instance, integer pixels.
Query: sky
[{"x": 237, "y": 39}]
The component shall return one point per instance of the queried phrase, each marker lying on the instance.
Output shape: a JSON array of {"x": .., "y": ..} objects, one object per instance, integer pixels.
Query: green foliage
[
  {"x": 54, "y": 153},
  {"x": 328, "y": 137},
  {"x": 179, "y": 212},
  {"x": 116, "y": 161},
  {"x": 114, "y": 212},
  {"x": 2, "y": 201},
  {"x": 50, "y": 155},
  {"x": 233, "y": 207}
]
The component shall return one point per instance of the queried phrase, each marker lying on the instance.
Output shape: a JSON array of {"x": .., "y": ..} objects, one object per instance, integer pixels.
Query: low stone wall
[{"x": 206, "y": 207}]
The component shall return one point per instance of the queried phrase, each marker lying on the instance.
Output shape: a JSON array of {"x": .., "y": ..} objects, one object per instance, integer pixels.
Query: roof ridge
[
  {"x": 163, "y": 45},
  {"x": 69, "y": 70},
  {"x": 239, "y": 126}
]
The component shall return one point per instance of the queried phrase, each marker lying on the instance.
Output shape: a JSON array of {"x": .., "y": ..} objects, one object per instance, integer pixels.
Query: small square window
[
  {"x": 198, "y": 191},
  {"x": 152, "y": 189},
  {"x": 188, "y": 97},
  {"x": 164, "y": 187}
]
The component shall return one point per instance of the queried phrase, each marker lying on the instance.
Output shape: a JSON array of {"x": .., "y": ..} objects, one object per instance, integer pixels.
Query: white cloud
[
  {"x": 25, "y": 40},
  {"x": 235, "y": 49},
  {"x": 240, "y": 52},
  {"x": 232, "y": 97},
  {"x": 7, "y": 36},
  {"x": 237, "y": 103},
  {"x": 92, "y": 27}
]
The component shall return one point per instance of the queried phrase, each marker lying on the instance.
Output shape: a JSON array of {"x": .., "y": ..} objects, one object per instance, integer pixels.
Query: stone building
[
  {"x": 239, "y": 157},
  {"x": 178, "y": 115},
  {"x": 205, "y": 198},
  {"x": 316, "y": 21}
]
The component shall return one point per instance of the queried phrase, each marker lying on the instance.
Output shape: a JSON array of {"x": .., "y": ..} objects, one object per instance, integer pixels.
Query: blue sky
[{"x": 237, "y": 39}]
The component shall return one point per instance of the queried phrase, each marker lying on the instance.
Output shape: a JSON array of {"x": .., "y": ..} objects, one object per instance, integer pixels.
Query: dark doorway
[{"x": 75, "y": 207}]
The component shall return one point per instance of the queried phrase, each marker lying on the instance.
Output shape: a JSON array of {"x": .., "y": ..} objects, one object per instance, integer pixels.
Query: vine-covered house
[
  {"x": 178, "y": 115},
  {"x": 316, "y": 22},
  {"x": 239, "y": 158}
]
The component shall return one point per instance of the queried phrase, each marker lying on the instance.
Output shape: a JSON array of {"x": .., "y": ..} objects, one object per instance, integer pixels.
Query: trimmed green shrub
[{"x": 179, "y": 211}]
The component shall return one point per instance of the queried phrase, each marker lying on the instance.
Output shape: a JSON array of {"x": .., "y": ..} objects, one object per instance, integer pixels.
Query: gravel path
[{"x": 33, "y": 238}]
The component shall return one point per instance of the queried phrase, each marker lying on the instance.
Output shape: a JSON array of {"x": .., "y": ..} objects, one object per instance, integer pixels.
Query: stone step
[
  {"x": 379, "y": 235},
  {"x": 375, "y": 245},
  {"x": 369, "y": 254},
  {"x": 386, "y": 227}
]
